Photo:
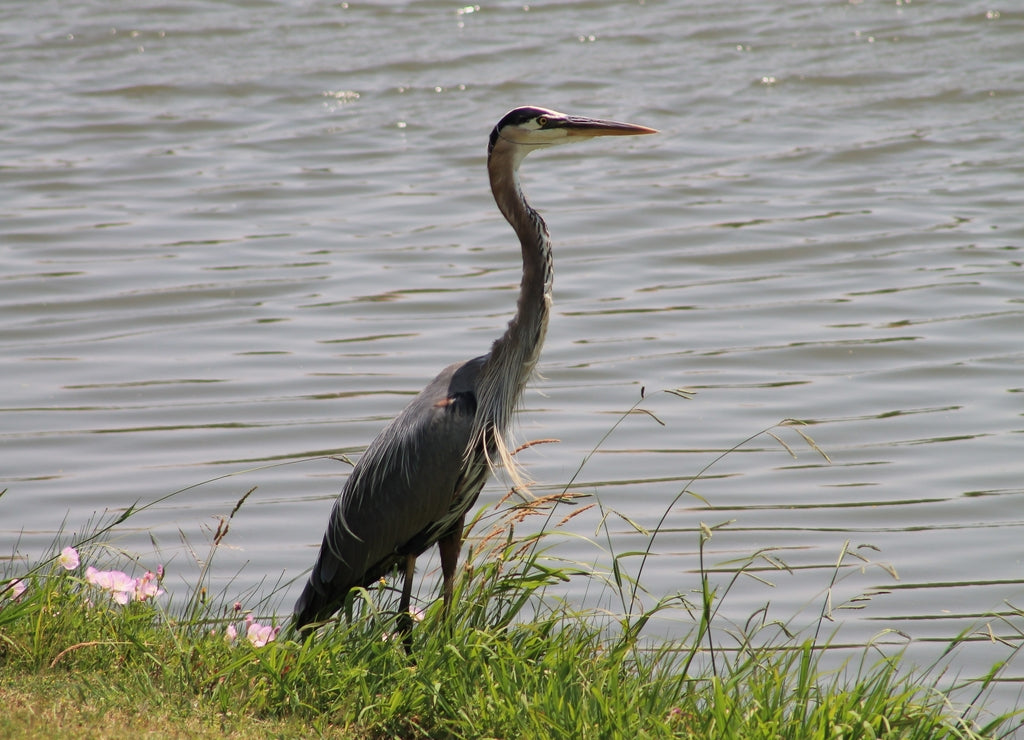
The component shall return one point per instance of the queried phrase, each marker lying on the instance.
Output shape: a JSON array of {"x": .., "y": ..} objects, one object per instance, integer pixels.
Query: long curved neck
[{"x": 514, "y": 355}]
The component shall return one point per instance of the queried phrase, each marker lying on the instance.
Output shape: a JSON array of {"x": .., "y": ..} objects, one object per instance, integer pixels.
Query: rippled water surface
[{"x": 235, "y": 235}]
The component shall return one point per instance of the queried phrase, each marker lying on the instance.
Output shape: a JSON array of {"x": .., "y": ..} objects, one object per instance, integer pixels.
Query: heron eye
[{"x": 542, "y": 121}]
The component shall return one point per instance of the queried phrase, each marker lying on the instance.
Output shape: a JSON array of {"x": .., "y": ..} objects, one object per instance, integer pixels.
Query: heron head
[{"x": 528, "y": 128}]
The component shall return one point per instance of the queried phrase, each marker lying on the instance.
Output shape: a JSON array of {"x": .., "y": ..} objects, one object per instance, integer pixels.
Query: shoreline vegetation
[{"x": 91, "y": 646}]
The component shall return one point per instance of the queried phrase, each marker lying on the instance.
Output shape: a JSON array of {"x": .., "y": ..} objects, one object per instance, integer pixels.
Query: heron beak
[{"x": 587, "y": 127}]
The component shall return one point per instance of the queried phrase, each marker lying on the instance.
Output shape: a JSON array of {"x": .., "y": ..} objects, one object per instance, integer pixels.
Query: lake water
[{"x": 242, "y": 234}]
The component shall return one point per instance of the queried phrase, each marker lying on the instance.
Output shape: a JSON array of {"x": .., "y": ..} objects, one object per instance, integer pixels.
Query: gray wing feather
[{"x": 413, "y": 482}]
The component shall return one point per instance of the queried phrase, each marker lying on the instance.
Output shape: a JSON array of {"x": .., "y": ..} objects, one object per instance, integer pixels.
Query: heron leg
[
  {"x": 404, "y": 615},
  {"x": 450, "y": 545}
]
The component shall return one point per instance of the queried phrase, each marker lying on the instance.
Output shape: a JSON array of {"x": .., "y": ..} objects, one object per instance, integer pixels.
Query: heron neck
[{"x": 514, "y": 355}]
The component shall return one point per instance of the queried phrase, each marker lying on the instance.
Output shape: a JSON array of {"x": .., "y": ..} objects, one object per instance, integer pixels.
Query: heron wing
[{"x": 412, "y": 484}]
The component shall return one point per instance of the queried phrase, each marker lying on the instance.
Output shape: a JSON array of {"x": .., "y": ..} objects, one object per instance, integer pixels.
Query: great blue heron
[{"x": 415, "y": 482}]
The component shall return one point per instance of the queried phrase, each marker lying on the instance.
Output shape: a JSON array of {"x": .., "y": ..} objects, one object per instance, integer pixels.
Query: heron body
[{"x": 416, "y": 481}]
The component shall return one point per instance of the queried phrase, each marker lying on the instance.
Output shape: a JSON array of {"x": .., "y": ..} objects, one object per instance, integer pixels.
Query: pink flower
[
  {"x": 68, "y": 558},
  {"x": 260, "y": 634},
  {"x": 119, "y": 585},
  {"x": 14, "y": 589},
  {"x": 231, "y": 634},
  {"x": 97, "y": 578},
  {"x": 147, "y": 587},
  {"x": 122, "y": 587}
]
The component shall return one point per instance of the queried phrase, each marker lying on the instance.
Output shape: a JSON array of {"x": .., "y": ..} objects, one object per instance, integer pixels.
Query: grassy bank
[{"x": 90, "y": 648}]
